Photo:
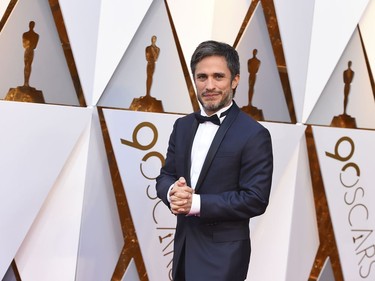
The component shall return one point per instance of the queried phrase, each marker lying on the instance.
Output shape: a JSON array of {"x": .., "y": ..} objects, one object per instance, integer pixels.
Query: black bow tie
[{"x": 213, "y": 118}]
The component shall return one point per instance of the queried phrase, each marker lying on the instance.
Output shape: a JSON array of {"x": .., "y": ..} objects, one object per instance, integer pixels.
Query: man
[{"x": 215, "y": 177}]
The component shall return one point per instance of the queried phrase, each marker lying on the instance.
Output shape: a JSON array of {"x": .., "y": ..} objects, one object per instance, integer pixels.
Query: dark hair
[{"x": 214, "y": 48}]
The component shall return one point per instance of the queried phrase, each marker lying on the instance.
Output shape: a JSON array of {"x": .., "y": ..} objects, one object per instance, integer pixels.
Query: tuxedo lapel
[
  {"x": 189, "y": 145},
  {"x": 216, "y": 143}
]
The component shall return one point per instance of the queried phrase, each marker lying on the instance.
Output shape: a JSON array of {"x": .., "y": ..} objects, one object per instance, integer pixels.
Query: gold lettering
[
  {"x": 355, "y": 207},
  {"x": 149, "y": 155},
  {"x": 368, "y": 272},
  {"x": 363, "y": 235},
  {"x": 366, "y": 253},
  {"x": 355, "y": 167},
  {"x": 135, "y": 143},
  {"x": 355, "y": 195},
  {"x": 337, "y": 155}
]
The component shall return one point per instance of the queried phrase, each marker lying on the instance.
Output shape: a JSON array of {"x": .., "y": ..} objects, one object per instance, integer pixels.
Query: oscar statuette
[
  {"x": 26, "y": 93},
  {"x": 147, "y": 102},
  {"x": 344, "y": 120},
  {"x": 253, "y": 65}
]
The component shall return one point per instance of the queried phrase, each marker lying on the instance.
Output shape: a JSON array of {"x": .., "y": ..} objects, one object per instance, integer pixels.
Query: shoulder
[
  {"x": 249, "y": 125},
  {"x": 183, "y": 127},
  {"x": 185, "y": 120}
]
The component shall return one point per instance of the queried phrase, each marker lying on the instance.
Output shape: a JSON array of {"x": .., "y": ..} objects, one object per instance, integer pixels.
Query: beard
[{"x": 214, "y": 106}]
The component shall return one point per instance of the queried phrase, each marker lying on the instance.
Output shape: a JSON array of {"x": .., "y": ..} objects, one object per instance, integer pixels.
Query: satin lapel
[
  {"x": 189, "y": 145},
  {"x": 216, "y": 143}
]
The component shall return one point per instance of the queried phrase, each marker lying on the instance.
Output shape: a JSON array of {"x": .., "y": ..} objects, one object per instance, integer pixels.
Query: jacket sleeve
[
  {"x": 251, "y": 195},
  {"x": 167, "y": 174}
]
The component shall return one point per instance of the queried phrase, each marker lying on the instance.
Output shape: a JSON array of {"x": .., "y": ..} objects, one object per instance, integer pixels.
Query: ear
[{"x": 235, "y": 81}]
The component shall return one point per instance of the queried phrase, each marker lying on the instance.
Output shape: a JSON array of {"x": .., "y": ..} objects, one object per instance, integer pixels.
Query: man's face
[{"x": 213, "y": 83}]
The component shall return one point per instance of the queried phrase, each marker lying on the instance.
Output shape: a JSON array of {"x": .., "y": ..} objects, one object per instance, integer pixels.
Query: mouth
[{"x": 211, "y": 94}]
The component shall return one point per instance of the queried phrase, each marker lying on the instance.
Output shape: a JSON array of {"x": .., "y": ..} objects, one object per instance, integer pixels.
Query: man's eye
[
  {"x": 219, "y": 76},
  {"x": 201, "y": 77}
]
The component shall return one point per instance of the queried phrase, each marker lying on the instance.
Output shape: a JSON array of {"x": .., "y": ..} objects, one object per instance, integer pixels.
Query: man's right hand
[{"x": 181, "y": 197}]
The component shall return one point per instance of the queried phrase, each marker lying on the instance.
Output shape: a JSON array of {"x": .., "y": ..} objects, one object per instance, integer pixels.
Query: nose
[{"x": 210, "y": 84}]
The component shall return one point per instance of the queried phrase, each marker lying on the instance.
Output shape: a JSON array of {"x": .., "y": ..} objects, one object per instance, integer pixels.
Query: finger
[
  {"x": 188, "y": 190},
  {"x": 182, "y": 195},
  {"x": 177, "y": 210},
  {"x": 178, "y": 202},
  {"x": 181, "y": 183},
  {"x": 184, "y": 210},
  {"x": 182, "y": 180}
]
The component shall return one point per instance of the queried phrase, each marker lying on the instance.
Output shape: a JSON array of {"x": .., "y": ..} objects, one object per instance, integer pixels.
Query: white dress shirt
[{"x": 202, "y": 141}]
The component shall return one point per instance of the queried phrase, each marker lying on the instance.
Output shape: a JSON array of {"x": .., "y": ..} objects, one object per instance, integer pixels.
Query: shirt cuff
[
  {"x": 195, "y": 209},
  {"x": 169, "y": 191}
]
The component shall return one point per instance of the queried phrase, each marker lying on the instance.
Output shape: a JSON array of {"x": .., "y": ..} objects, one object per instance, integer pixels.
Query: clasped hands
[{"x": 181, "y": 197}]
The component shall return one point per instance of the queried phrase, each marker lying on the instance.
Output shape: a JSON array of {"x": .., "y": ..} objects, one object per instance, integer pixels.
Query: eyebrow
[
  {"x": 214, "y": 74},
  {"x": 222, "y": 74}
]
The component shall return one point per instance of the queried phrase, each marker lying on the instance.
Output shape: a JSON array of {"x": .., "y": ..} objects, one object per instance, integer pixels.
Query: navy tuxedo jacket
[{"x": 234, "y": 186}]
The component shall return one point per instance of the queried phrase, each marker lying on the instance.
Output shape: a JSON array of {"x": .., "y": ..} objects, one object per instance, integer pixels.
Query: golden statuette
[
  {"x": 26, "y": 93},
  {"x": 148, "y": 103},
  {"x": 344, "y": 120},
  {"x": 253, "y": 65}
]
